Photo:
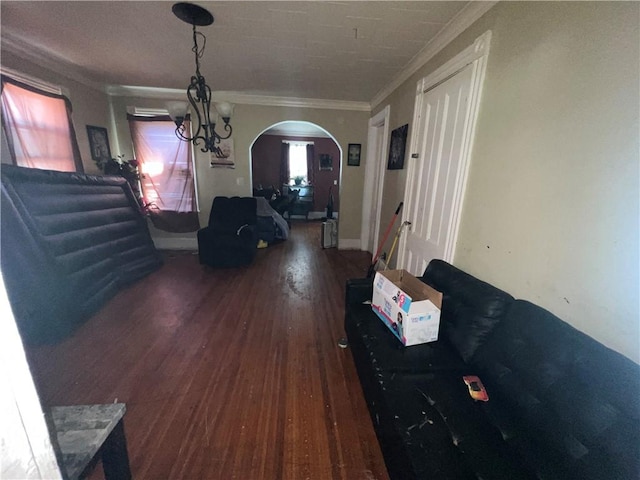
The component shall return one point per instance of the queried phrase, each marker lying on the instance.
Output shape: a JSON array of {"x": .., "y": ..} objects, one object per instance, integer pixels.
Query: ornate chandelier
[{"x": 198, "y": 92}]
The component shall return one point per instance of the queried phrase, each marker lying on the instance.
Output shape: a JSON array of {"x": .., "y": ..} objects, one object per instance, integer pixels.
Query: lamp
[{"x": 198, "y": 92}]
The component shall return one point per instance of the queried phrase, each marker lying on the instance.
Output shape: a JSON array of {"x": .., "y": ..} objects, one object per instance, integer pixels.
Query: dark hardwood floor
[{"x": 227, "y": 373}]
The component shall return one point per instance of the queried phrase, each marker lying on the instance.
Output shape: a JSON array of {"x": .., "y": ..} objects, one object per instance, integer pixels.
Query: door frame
[
  {"x": 475, "y": 54},
  {"x": 378, "y": 135},
  {"x": 24, "y": 428}
]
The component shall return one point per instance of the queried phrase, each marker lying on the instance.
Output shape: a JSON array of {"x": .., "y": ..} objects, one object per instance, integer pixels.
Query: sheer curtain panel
[
  {"x": 38, "y": 128},
  {"x": 311, "y": 173},
  {"x": 284, "y": 165},
  {"x": 166, "y": 173}
]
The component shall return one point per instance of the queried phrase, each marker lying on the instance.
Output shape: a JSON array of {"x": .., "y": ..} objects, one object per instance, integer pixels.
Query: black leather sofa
[
  {"x": 69, "y": 243},
  {"x": 561, "y": 405}
]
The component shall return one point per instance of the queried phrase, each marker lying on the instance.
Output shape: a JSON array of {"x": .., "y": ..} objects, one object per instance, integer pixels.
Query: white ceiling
[{"x": 329, "y": 50}]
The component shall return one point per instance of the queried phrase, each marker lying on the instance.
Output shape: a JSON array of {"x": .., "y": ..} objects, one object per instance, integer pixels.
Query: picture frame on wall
[
  {"x": 99, "y": 144},
  {"x": 225, "y": 158},
  {"x": 397, "y": 148},
  {"x": 353, "y": 154},
  {"x": 326, "y": 161}
]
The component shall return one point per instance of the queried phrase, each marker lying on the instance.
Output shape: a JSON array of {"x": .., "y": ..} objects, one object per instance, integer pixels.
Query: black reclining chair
[{"x": 231, "y": 239}]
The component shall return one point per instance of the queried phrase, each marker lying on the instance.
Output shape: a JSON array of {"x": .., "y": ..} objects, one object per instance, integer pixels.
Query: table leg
[{"x": 115, "y": 459}]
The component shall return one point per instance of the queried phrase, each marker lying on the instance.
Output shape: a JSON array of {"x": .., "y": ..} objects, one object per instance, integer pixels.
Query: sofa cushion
[
  {"x": 387, "y": 353},
  {"x": 447, "y": 434},
  {"x": 568, "y": 405},
  {"x": 471, "y": 308}
]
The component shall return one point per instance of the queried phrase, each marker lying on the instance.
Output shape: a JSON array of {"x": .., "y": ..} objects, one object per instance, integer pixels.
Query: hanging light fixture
[{"x": 198, "y": 92}]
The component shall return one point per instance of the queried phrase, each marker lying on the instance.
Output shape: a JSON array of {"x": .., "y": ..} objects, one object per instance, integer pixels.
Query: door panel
[{"x": 435, "y": 180}]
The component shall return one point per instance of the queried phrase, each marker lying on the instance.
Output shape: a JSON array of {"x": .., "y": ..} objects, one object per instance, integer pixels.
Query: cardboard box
[{"x": 408, "y": 307}]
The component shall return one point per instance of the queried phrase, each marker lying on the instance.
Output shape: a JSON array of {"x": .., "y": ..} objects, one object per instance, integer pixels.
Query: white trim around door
[{"x": 377, "y": 141}]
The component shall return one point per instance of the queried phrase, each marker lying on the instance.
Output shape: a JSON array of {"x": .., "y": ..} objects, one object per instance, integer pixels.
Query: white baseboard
[
  {"x": 349, "y": 244},
  {"x": 172, "y": 243},
  {"x": 169, "y": 243}
]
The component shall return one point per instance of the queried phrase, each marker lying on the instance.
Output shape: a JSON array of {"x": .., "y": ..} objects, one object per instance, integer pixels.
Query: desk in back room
[{"x": 304, "y": 204}]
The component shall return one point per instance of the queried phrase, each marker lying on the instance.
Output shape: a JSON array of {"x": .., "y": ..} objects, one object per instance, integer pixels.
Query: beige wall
[
  {"x": 551, "y": 208},
  {"x": 249, "y": 121},
  {"x": 90, "y": 105}
]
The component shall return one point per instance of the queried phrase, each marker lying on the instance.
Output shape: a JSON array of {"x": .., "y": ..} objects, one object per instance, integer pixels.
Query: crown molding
[
  {"x": 46, "y": 59},
  {"x": 33, "y": 81},
  {"x": 238, "y": 98},
  {"x": 458, "y": 24},
  {"x": 144, "y": 92},
  {"x": 274, "y": 101}
]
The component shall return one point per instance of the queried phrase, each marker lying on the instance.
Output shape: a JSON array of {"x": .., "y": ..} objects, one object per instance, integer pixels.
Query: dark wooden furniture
[{"x": 304, "y": 203}]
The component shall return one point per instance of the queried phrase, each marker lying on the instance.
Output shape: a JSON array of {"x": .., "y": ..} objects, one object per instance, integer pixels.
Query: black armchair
[{"x": 231, "y": 239}]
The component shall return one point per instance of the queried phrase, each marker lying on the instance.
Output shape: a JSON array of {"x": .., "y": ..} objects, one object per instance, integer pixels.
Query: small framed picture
[
  {"x": 353, "y": 154},
  {"x": 99, "y": 144},
  {"x": 326, "y": 161},
  {"x": 397, "y": 148}
]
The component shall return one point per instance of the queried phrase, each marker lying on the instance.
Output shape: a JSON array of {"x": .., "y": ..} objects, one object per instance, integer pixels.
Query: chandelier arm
[
  {"x": 194, "y": 106},
  {"x": 228, "y": 129},
  {"x": 180, "y": 133},
  {"x": 205, "y": 99}
]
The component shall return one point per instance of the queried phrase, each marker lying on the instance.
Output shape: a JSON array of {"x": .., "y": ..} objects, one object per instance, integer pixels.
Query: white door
[
  {"x": 444, "y": 120},
  {"x": 436, "y": 171},
  {"x": 436, "y": 176}
]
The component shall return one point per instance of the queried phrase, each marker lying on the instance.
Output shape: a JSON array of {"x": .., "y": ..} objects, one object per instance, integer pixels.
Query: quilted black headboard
[{"x": 69, "y": 242}]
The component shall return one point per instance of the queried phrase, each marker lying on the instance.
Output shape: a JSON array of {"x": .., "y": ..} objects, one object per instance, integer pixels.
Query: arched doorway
[{"x": 324, "y": 182}]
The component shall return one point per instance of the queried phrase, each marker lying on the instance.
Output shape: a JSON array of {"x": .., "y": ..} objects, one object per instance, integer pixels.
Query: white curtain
[
  {"x": 38, "y": 128},
  {"x": 166, "y": 173}
]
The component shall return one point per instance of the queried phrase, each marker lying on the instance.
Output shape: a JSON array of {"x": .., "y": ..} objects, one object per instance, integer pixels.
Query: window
[
  {"x": 38, "y": 128},
  {"x": 298, "y": 161},
  {"x": 165, "y": 163},
  {"x": 166, "y": 173}
]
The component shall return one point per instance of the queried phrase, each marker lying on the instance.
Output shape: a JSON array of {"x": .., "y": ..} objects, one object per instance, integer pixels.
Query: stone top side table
[{"x": 86, "y": 431}]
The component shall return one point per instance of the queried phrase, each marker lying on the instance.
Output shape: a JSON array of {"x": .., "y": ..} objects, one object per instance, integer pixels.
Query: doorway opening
[{"x": 302, "y": 160}]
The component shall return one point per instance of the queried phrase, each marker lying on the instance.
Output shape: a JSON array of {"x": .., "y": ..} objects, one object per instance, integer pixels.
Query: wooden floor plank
[{"x": 227, "y": 373}]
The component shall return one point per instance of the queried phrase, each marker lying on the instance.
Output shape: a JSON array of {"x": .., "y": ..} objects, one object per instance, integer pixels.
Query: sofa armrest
[
  {"x": 247, "y": 233},
  {"x": 358, "y": 290}
]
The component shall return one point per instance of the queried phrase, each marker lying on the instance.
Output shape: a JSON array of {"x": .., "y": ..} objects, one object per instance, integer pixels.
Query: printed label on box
[{"x": 412, "y": 317}]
